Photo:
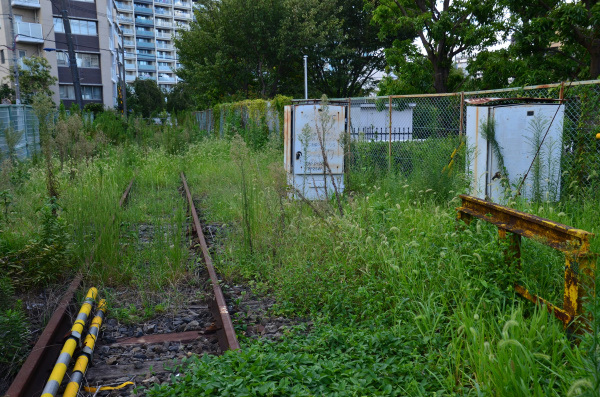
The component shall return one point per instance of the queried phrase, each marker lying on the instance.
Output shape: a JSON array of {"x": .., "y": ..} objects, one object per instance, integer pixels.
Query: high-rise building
[{"x": 148, "y": 26}]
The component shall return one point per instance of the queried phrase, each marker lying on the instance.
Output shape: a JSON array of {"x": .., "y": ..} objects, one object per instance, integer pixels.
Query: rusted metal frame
[
  {"x": 29, "y": 381},
  {"x": 126, "y": 193},
  {"x": 390, "y": 142},
  {"x": 534, "y": 87},
  {"x": 227, "y": 338},
  {"x": 573, "y": 242},
  {"x": 553, "y": 234},
  {"x": 32, "y": 376},
  {"x": 425, "y": 95}
]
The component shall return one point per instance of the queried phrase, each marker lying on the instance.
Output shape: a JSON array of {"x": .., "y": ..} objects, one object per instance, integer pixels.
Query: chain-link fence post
[
  {"x": 462, "y": 114},
  {"x": 390, "y": 141}
]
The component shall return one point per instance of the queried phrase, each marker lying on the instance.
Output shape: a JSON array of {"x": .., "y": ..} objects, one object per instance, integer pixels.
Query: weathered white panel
[
  {"x": 309, "y": 132},
  {"x": 314, "y": 133},
  {"x": 519, "y": 130}
]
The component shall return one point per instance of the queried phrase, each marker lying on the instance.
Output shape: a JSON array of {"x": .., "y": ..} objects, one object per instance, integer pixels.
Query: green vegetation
[{"x": 402, "y": 302}]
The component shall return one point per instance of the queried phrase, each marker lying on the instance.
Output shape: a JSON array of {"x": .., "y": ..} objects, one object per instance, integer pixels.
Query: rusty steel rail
[
  {"x": 226, "y": 333},
  {"x": 574, "y": 243},
  {"x": 34, "y": 373}
]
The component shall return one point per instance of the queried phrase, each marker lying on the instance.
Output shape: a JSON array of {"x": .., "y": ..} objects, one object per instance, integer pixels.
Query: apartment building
[
  {"x": 149, "y": 27},
  {"x": 39, "y": 31}
]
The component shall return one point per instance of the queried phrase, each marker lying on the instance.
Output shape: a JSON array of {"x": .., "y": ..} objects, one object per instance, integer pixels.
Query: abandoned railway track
[{"x": 113, "y": 357}]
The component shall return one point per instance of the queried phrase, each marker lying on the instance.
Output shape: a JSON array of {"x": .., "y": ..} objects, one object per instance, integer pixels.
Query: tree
[
  {"x": 147, "y": 97},
  {"x": 34, "y": 78},
  {"x": 445, "y": 29},
  {"x": 180, "y": 98},
  {"x": 561, "y": 35},
  {"x": 252, "y": 48},
  {"x": 344, "y": 65}
]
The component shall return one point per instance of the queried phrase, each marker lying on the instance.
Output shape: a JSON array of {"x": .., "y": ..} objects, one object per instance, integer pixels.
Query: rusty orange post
[{"x": 574, "y": 243}]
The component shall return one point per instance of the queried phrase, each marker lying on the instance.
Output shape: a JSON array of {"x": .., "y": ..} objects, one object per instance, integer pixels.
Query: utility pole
[
  {"x": 305, "y": 76},
  {"x": 72, "y": 56},
  {"x": 14, "y": 50},
  {"x": 123, "y": 83}
]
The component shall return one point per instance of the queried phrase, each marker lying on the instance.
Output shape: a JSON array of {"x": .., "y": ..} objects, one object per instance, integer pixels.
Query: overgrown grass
[{"x": 406, "y": 303}]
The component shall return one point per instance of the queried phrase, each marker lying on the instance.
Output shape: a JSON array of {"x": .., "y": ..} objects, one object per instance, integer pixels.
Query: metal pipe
[
  {"x": 86, "y": 354},
  {"x": 74, "y": 339},
  {"x": 14, "y": 50},
  {"x": 305, "y": 76}
]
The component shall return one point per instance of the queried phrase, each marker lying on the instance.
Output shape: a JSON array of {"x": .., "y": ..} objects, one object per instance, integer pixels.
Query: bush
[
  {"x": 13, "y": 341},
  {"x": 94, "y": 108}
]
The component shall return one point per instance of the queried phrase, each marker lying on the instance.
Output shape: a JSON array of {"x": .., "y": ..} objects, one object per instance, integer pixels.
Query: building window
[
  {"x": 84, "y": 60},
  {"x": 66, "y": 92},
  {"x": 78, "y": 26},
  {"x": 88, "y": 92},
  {"x": 91, "y": 92}
]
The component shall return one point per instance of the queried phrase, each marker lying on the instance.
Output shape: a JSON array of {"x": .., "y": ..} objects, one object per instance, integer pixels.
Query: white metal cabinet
[
  {"x": 309, "y": 132},
  {"x": 515, "y": 132}
]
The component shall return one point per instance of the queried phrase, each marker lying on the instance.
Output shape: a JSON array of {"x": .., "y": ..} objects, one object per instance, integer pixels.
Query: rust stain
[{"x": 580, "y": 264}]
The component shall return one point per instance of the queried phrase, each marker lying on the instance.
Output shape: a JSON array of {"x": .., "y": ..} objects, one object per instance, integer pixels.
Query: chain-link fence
[
  {"x": 422, "y": 136},
  {"x": 19, "y": 131}
]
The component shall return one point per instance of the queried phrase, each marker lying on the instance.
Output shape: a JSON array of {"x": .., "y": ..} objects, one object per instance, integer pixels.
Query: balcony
[
  {"x": 166, "y": 79},
  {"x": 164, "y": 46},
  {"x": 123, "y": 6},
  {"x": 129, "y": 55},
  {"x": 167, "y": 2},
  {"x": 163, "y": 12},
  {"x": 129, "y": 78},
  {"x": 181, "y": 4},
  {"x": 148, "y": 57},
  {"x": 129, "y": 66},
  {"x": 127, "y": 31},
  {"x": 144, "y": 21},
  {"x": 144, "y": 33},
  {"x": 164, "y": 68},
  {"x": 182, "y": 15},
  {"x": 164, "y": 35},
  {"x": 147, "y": 67},
  {"x": 167, "y": 57},
  {"x": 128, "y": 43},
  {"x": 31, "y": 4},
  {"x": 146, "y": 77},
  {"x": 159, "y": 22},
  {"x": 124, "y": 19},
  {"x": 143, "y": 10},
  {"x": 29, "y": 33},
  {"x": 144, "y": 44}
]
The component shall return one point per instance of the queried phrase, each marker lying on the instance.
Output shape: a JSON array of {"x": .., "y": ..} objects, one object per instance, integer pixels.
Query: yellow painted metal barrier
[
  {"x": 74, "y": 340},
  {"x": 86, "y": 354},
  {"x": 580, "y": 263}
]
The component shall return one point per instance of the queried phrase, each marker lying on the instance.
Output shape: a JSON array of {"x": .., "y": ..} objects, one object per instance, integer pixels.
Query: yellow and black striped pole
[
  {"x": 86, "y": 355},
  {"x": 60, "y": 368}
]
